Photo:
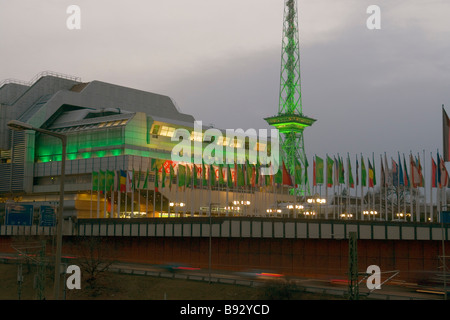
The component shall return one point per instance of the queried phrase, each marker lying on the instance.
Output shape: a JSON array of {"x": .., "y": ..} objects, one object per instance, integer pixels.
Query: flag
[
  {"x": 341, "y": 171},
  {"x": 407, "y": 182},
  {"x": 156, "y": 179},
  {"x": 357, "y": 171},
  {"x": 212, "y": 175},
  {"x": 163, "y": 177},
  {"x": 401, "y": 178},
  {"x": 188, "y": 176},
  {"x": 415, "y": 177},
  {"x": 371, "y": 174},
  {"x": 419, "y": 168},
  {"x": 433, "y": 173},
  {"x": 298, "y": 173},
  {"x": 181, "y": 175},
  {"x": 444, "y": 174},
  {"x": 94, "y": 181},
  {"x": 314, "y": 173},
  {"x": 221, "y": 178},
  {"x": 306, "y": 171},
  {"x": 319, "y": 170},
  {"x": 350, "y": 175},
  {"x": 171, "y": 175},
  {"x": 446, "y": 133},
  {"x": 109, "y": 180},
  {"x": 374, "y": 172},
  {"x": 363, "y": 173},
  {"x": 123, "y": 181},
  {"x": 336, "y": 172},
  {"x": 204, "y": 181},
  {"x": 145, "y": 186},
  {"x": 286, "y": 178},
  {"x": 248, "y": 172},
  {"x": 101, "y": 180},
  {"x": 195, "y": 172},
  {"x": 329, "y": 172},
  {"x": 240, "y": 175},
  {"x": 387, "y": 176},
  {"x": 229, "y": 177},
  {"x": 394, "y": 173},
  {"x": 382, "y": 174},
  {"x": 279, "y": 176}
]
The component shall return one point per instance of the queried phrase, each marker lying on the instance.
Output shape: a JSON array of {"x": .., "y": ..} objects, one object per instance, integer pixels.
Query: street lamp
[{"x": 20, "y": 126}]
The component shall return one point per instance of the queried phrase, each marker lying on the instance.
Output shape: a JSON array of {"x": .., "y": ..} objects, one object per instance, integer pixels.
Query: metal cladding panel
[
  {"x": 177, "y": 232},
  {"x": 267, "y": 229},
  {"x": 235, "y": 229},
  {"x": 313, "y": 231},
  {"x": 393, "y": 232},
  {"x": 301, "y": 230},
  {"x": 379, "y": 232},
  {"x": 215, "y": 230},
  {"x": 225, "y": 228},
  {"x": 278, "y": 229},
  {"x": 351, "y": 228},
  {"x": 160, "y": 230},
  {"x": 365, "y": 232},
  {"x": 325, "y": 232},
  {"x": 422, "y": 233},
  {"x": 245, "y": 229},
  {"x": 196, "y": 230},
  {"x": 289, "y": 230},
  {"x": 407, "y": 233},
  {"x": 338, "y": 231},
  {"x": 168, "y": 229},
  {"x": 256, "y": 229}
]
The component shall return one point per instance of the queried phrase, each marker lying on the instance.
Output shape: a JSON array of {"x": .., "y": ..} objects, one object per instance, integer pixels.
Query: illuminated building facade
[{"x": 113, "y": 129}]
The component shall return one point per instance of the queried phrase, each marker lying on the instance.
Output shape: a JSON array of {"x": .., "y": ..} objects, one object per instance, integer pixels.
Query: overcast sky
[{"x": 370, "y": 90}]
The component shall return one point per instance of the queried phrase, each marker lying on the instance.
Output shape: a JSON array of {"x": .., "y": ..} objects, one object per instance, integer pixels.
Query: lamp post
[{"x": 20, "y": 126}]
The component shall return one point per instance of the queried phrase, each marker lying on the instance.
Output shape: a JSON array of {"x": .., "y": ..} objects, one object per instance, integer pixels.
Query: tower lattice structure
[{"x": 290, "y": 120}]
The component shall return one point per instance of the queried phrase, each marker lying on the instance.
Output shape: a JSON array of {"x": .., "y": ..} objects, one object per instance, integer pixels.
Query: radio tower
[{"x": 290, "y": 120}]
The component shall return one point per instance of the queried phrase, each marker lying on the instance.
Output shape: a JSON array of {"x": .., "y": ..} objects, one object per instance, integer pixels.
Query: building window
[{"x": 167, "y": 131}]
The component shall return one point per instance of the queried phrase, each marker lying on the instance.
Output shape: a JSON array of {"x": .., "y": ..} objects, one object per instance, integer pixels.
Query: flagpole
[
  {"x": 362, "y": 202},
  {"x": 431, "y": 189},
  {"x": 424, "y": 188}
]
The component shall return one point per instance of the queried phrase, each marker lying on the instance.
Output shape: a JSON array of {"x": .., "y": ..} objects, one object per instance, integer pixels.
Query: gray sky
[{"x": 370, "y": 90}]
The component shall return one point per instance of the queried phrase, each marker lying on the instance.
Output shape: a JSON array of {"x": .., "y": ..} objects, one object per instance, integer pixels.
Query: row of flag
[
  {"x": 365, "y": 176},
  {"x": 332, "y": 171}
]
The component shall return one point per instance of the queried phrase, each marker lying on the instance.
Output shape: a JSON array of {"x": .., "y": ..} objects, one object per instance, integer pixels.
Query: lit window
[
  {"x": 167, "y": 131},
  {"x": 155, "y": 129},
  {"x": 197, "y": 136}
]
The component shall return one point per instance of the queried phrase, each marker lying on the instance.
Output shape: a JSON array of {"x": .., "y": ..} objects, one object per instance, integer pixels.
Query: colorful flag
[
  {"x": 446, "y": 134},
  {"x": 156, "y": 179},
  {"x": 371, "y": 174},
  {"x": 394, "y": 173},
  {"x": 329, "y": 172},
  {"x": 314, "y": 173},
  {"x": 415, "y": 177},
  {"x": 341, "y": 171},
  {"x": 181, "y": 175},
  {"x": 444, "y": 174},
  {"x": 363, "y": 173},
  {"x": 229, "y": 177},
  {"x": 163, "y": 177},
  {"x": 188, "y": 176},
  {"x": 350, "y": 174},
  {"x": 419, "y": 168},
  {"x": 101, "y": 181},
  {"x": 221, "y": 178},
  {"x": 123, "y": 181},
  {"x": 286, "y": 179},
  {"x": 94, "y": 181},
  {"x": 109, "y": 180},
  {"x": 212, "y": 175},
  {"x": 298, "y": 173},
  {"x": 145, "y": 186},
  {"x": 433, "y": 174},
  {"x": 406, "y": 175},
  {"x": 319, "y": 170},
  {"x": 382, "y": 174},
  {"x": 401, "y": 178}
]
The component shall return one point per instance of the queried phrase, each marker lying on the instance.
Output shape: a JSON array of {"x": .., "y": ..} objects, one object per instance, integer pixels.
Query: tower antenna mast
[{"x": 290, "y": 120}]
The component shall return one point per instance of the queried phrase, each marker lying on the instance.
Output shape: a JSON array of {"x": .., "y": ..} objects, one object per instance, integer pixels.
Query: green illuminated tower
[{"x": 290, "y": 120}]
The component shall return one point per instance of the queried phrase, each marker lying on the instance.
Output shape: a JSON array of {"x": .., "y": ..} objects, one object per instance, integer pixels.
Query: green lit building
[{"x": 110, "y": 128}]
